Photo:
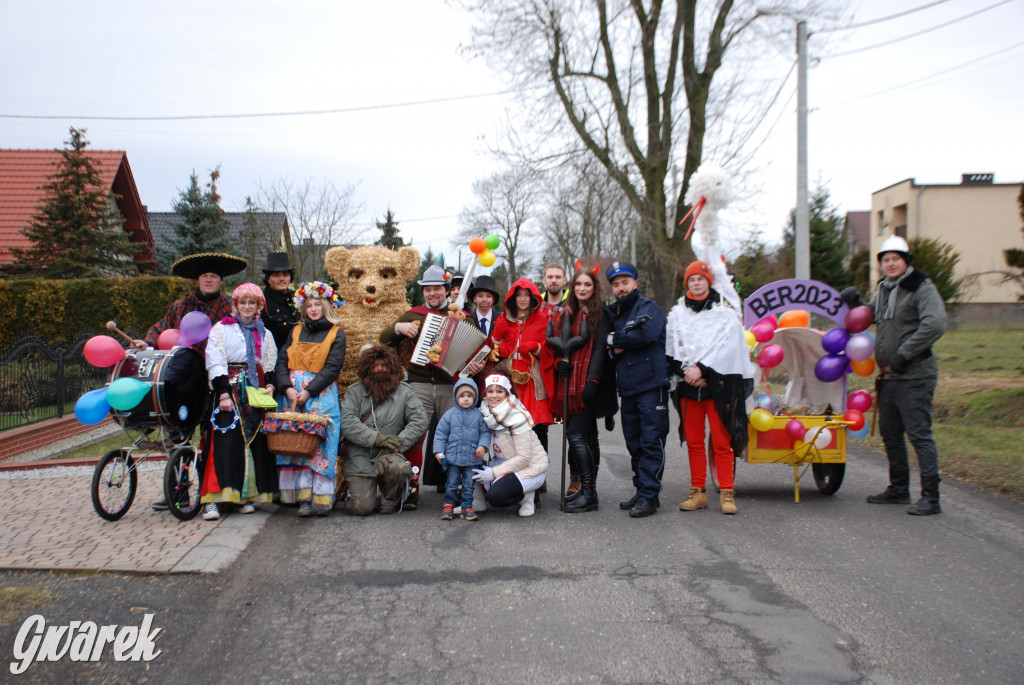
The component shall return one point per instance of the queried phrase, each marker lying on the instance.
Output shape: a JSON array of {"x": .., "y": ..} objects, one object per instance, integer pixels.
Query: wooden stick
[{"x": 111, "y": 326}]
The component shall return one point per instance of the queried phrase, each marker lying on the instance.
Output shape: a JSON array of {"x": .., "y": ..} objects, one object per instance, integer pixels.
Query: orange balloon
[
  {"x": 477, "y": 245},
  {"x": 864, "y": 368},
  {"x": 795, "y": 318}
]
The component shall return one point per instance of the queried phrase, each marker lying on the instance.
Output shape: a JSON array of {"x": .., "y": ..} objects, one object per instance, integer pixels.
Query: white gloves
[{"x": 483, "y": 475}]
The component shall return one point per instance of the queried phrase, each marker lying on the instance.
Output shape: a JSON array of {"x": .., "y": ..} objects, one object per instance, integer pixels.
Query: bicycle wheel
[
  {"x": 182, "y": 483},
  {"x": 828, "y": 477},
  {"x": 114, "y": 484}
]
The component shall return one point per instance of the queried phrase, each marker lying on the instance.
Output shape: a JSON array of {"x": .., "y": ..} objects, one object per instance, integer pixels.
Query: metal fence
[
  {"x": 1002, "y": 316},
  {"x": 39, "y": 382}
]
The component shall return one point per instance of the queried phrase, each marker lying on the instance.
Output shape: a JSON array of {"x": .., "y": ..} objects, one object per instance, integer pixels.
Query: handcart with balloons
[
  {"x": 158, "y": 397},
  {"x": 808, "y": 425}
]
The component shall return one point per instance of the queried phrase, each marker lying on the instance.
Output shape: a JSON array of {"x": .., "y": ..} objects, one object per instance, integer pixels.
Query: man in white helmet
[{"x": 910, "y": 317}]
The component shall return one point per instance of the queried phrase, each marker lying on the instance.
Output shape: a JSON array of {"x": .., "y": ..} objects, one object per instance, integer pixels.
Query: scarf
[
  {"x": 887, "y": 292},
  {"x": 202, "y": 297},
  {"x": 510, "y": 416},
  {"x": 708, "y": 301},
  {"x": 252, "y": 333},
  {"x": 321, "y": 324},
  {"x": 580, "y": 359}
]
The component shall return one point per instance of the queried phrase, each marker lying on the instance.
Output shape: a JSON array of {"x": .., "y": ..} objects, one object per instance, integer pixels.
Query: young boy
[{"x": 460, "y": 444}]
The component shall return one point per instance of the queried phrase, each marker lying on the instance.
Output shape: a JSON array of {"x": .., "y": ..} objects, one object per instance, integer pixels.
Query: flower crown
[{"x": 315, "y": 289}]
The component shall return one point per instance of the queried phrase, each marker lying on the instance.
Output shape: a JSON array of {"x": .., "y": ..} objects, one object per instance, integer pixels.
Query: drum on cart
[{"x": 178, "y": 394}]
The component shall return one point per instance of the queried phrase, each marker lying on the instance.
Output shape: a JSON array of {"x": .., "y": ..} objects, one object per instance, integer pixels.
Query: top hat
[
  {"x": 278, "y": 261},
  {"x": 195, "y": 265},
  {"x": 483, "y": 284}
]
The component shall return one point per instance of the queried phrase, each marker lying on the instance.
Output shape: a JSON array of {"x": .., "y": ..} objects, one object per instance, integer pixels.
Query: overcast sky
[{"x": 115, "y": 57}]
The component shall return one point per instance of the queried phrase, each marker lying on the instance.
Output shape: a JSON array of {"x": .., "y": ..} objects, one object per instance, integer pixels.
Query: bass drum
[{"x": 179, "y": 388}]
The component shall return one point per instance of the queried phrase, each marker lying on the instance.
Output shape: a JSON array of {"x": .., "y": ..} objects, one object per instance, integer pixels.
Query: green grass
[{"x": 17, "y": 602}]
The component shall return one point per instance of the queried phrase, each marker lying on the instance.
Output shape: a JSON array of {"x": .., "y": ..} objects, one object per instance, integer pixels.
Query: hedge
[{"x": 60, "y": 310}]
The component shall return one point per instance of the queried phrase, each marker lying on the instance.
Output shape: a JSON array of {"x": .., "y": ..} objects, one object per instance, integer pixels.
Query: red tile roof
[{"x": 23, "y": 173}]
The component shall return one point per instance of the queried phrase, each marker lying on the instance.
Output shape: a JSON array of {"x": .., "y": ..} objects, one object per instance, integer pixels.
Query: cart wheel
[
  {"x": 828, "y": 477},
  {"x": 114, "y": 484},
  {"x": 182, "y": 485}
]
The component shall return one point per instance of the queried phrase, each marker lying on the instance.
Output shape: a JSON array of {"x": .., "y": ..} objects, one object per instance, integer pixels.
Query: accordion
[{"x": 455, "y": 342}]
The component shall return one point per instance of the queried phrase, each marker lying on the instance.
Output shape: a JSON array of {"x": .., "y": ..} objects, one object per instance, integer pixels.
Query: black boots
[
  {"x": 586, "y": 498},
  {"x": 929, "y": 502},
  {"x": 898, "y": 491}
]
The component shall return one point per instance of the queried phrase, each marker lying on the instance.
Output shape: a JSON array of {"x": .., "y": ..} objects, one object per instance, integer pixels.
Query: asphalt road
[{"x": 825, "y": 591}]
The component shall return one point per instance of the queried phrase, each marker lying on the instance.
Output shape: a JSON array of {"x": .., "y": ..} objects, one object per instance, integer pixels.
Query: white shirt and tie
[{"x": 484, "y": 321}]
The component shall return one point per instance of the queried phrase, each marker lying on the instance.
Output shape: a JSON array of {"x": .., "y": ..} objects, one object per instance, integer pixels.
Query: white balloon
[{"x": 824, "y": 437}]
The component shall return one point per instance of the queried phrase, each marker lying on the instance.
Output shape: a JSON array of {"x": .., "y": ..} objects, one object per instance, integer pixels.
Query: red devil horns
[{"x": 596, "y": 270}]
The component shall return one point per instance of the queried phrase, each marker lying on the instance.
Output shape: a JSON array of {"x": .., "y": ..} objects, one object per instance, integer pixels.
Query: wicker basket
[{"x": 294, "y": 442}]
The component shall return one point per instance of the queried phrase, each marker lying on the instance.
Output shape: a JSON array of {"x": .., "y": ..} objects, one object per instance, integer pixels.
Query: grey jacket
[
  {"x": 918, "y": 323},
  {"x": 402, "y": 415}
]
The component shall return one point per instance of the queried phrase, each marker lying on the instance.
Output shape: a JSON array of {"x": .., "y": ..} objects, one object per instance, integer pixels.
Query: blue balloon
[
  {"x": 125, "y": 393},
  {"x": 765, "y": 401},
  {"x": 92, "y": 407},
  {"x": 858, "y": 434}
]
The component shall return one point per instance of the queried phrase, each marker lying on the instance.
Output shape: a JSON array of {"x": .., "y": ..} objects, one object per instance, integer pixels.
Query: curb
[{"x": 80, "y": 461}]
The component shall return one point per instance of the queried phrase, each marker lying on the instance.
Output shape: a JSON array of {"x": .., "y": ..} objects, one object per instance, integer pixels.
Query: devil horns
[{"x": 596, "y": 270}]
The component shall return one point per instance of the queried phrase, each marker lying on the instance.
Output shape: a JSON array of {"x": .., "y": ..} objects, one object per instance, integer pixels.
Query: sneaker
[
  {"x": 211, "y": 512},
  {"x": 247, "y": 508},
  {"x": 160, "y": 505},
  {"x": 446, "y": 512},
  {"x": 305, "y": 509},
  {"x": 470, "y": 515}
]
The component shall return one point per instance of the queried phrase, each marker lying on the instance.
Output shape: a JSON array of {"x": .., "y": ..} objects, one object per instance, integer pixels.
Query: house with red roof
[{"x": 24, "y": 173}]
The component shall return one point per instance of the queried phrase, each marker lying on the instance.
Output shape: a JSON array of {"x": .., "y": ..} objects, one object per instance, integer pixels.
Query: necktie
[{"x": 483, "y": 325}]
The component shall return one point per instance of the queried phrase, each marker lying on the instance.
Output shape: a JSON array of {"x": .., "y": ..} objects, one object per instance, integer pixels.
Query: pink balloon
[
  {"x": 858, "y": 319},
  {"x": 102, "y": 350},
  {"x": 771, "y": 321},
  {"x": 762, "y": 332},
  {"x": 168, "y": 339},
  {"x": 194, "y": 327},
  {"x": 795, "y": 430},
  {"x": 771, "y": 356},
  {"x": 859, "y": 348},
  {"x": 859, "y": 400}
]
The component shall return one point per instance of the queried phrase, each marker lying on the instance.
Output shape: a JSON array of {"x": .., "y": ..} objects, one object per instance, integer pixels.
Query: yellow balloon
[
  {"x": 761, "y": 420},
  {"x": 486, "y": 258},
  {"x": 751, "y": 339}
]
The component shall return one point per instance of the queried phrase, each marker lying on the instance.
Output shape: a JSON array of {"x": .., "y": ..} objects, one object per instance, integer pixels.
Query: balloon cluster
[
  {"x": 484, "y": 248},
  {"x": 848, "y": 348},
  {"x": 124, "y": 394}
]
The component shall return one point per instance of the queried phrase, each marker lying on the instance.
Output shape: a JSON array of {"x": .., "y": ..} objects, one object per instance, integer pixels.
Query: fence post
[{"x": 60, "y": 382}]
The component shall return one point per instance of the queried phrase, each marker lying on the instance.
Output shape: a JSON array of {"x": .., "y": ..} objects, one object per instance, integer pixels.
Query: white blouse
[{"x": 227, "y": 346}]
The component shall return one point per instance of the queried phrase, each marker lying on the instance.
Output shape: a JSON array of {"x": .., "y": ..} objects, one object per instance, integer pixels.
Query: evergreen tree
[
  {"x": 77, "y": 232},
  {"x": 938, "y": 259},
  {"x": 828, "y": 240},
  {"x": 389, "y": 232},
  {"x": 413, "y": 291},
  {"x": 202, "y": 227}
]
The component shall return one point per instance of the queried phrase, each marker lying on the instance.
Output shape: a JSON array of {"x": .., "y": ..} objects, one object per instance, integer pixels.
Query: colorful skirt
[{"x": 302, "y": 479}]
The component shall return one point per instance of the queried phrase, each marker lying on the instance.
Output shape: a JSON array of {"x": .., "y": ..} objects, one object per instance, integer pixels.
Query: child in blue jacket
[{"x": 460, "y": 445}]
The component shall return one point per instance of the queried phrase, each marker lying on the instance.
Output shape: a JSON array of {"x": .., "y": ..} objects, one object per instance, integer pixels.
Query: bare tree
[
  {"x": 320, "y": 216},
  {"x": 616, "y": 72},
  {"x": 506, "y": 204}
]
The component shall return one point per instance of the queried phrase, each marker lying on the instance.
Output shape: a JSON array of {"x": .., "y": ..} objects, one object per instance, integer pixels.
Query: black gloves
[
  {"x": 563, "y": 367},
  {"x": 609, "y": 423},
  {"x": 898, "y": 363},
  {"x": 589, "y": 393},
  {"x": 851, "y": 297}
]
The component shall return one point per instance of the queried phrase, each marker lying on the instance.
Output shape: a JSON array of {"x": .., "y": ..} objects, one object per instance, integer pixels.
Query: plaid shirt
[{"x": 216, "y": 310}]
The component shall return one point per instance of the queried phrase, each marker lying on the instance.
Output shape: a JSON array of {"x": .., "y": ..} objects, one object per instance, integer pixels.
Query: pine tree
[
  {"x": 389, "y": 232},
  {"x": 828, "y": 241},
  {"x": 202, "y": 227},
  {"x": 77, "y": 232}
]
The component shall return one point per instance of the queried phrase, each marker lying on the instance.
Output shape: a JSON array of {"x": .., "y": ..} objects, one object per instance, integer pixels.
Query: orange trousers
[{"x": 694, "y": 412}]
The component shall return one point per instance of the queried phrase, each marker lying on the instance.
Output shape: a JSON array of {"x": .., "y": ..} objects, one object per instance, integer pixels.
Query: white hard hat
[{"x": 896, "y": 244}]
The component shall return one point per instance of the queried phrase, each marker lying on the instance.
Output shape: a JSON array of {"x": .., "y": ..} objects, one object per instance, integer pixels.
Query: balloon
[
  {"x": 859, "y": 347},
  {"x": 168, "y": 339},
  {"x": 771, "y": 356},
  {"x": 795, "y": 430},
  {"x": 102, "y": 350},
  {"x": 858, "y": 319},
  {"x": 824, "y": 437},
  {"x": 771, "y": 321},
  {"x": 835, "y": 339},
  {"x": 762, "y": 332},
  {"x": 857, "y": 417},
  {"x": 751, "y": 340},
  {"x": 869, "y": 334},
  {"x": 486, "y": 258},
  {"x": 92, "y": 407},
  {"x": 477, "y": 245},
  {"x": 795, "y": 318},
  {"x": 492, "y": 241},
  {"x": 859, "y": 400},
  {"x": 765, "y": 401},
  {"x": 830, "y": 368},
  {"x": 761, "y": 420},
  {"x": 859, "y": 434},
  {"x": 125, "y": 393},
  {"x": 864, "y": 368},
  {"x": 194, "y": 327}
]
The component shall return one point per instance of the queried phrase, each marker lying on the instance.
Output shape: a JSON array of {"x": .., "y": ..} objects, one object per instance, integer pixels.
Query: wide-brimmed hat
[
  {"x": 195, "y": 265},
  {"x": 483, "y": 284},
  {"x": 434, "y": 275},
  {"x": 278, "y": 262}
]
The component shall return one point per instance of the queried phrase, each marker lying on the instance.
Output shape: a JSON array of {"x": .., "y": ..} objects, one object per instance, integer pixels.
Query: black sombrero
[{"x": 195, "y": 265}]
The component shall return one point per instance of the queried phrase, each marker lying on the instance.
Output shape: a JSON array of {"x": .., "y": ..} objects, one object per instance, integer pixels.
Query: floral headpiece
[{"x": 316, "y": 289}]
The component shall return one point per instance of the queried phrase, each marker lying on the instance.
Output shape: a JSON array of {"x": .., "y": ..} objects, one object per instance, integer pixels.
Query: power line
[
  {"x": 869, "y": 22},
  {"x": 258, "y": 115},
  {"x": 922, "y": 32}
]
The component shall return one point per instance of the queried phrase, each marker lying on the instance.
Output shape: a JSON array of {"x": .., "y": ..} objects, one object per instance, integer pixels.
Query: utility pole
[{"x": 803, "y": 242}]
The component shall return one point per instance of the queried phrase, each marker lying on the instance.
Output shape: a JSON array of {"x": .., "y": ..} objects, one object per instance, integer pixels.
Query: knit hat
[{"x": 698, "y": 268}]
